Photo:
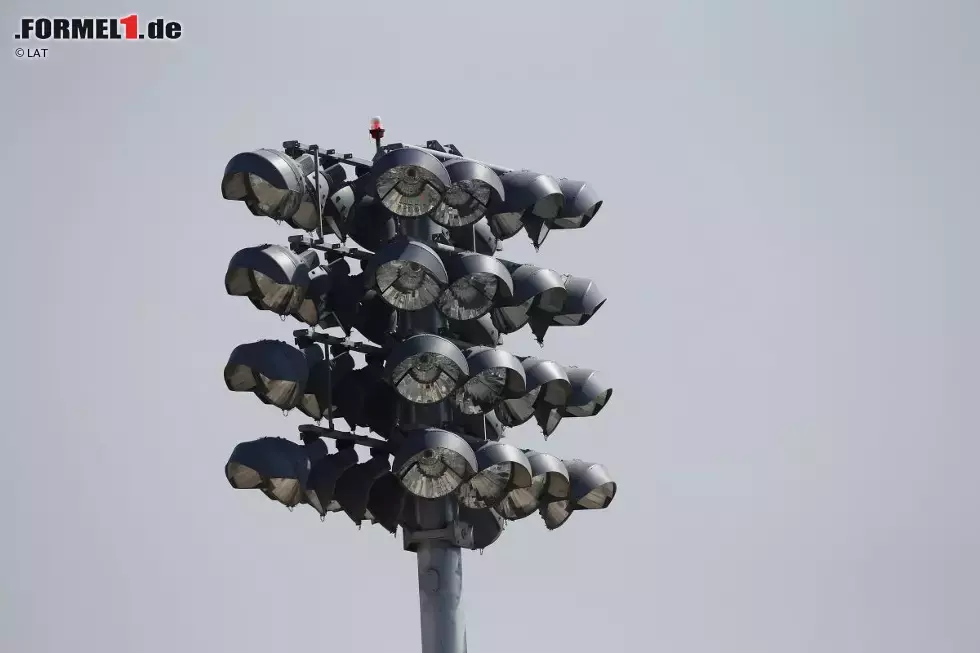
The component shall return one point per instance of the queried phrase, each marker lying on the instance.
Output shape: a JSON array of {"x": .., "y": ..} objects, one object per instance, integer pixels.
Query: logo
[{"x": 127, "y": 28}]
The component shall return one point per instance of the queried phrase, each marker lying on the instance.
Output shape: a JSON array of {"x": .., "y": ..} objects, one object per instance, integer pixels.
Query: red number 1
[{"x": 129, "y": 22}]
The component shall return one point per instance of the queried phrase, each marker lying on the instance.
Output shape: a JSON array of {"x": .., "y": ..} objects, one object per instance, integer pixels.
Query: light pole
[{"x": 428, "y": 380}]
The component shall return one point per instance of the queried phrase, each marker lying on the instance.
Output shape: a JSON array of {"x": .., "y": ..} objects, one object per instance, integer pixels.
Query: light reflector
[
  {"x": 473, "y": 188},
  {"x": 408, "y": 274},
  {"x": 433, "y": 463},
  {"x": 425, "y": 369},
  {"x": 410, "y": 183},
  {"x": 502, "y": 468}
]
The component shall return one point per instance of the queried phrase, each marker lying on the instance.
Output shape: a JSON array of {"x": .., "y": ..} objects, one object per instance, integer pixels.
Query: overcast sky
[{"x": 788, "y": 242}]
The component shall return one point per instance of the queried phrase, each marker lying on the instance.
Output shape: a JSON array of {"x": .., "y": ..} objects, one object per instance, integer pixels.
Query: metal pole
[
  {"x": 440, "y": 568},
  {"x": 440, "y": 561}
]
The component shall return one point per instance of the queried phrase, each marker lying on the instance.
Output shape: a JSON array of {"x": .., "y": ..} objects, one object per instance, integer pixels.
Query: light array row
[
  {"x": 423, "y": 369},
  {"x": 494, "y": 483},
  {"x": 409, "y": 275},
  {"x": 401, "y": 182}
]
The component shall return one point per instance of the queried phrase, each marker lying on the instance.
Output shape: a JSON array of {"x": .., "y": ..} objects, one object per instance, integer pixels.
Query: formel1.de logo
[{"x": 97, "y": 29}]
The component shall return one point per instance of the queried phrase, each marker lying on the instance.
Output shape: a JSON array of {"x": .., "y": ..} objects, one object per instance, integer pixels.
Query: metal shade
[
  {"x": 278, "y": 467},
  {"x": 425, "y": 369},
  {"x": 324, "y": 377},
  {"x": 486, "y": 523},
  {"x": 370, "y": 225},
  {"x": 548, "y": 418},
  {"x": 493, "y": 375},
  {"x": 374, "y": 317},
  {"x": 535, "y": 290},
  {"x": 325, "y": 302},
  {"x": 479, "y": 238},
  {"x": 592, "y": 487},
  {"x": 353, "y": 488},
  {"x": 273, "y": 184},
  {"x": 273, "y": 277},
  {"x": 580, "y": 206},
  {"x": 274, "y": 370},
  {"x": 525, "y": 194},
  {"x": 386, "y": 501},
  {"x": 407, "y": 273},
  {"x": 409, "y": 517},
  {"x": 589, "y": 394},
  {"x": 477, "y": 280},
  {"x": 501, "y": 469},
  {"x": 339, "y": 206},
  {"x": 410, "y": 183},
  {"x": 480, "y": 331},
  {"x": 556, "y": 513},
  {"x": 547, "y": 384},
  {"x": 433, "y": 463},
  {"x": 485, "y": 426},
  {"x": 473, "y": 188},
  {"x": 537, "y": 230},
  {"x": 549, "y": 483},
  {"x": 365, "y": 399},
  {"x": 582, "y": 301},
  {"x": 324, "y": 474}
]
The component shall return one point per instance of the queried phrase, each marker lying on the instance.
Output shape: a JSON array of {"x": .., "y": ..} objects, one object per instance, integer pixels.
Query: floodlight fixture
[
  {"x": 374, "y": 317},
  {"x": 385, "y": 502},
  {"x": 477, "y": 280},
  {"x": 433, "y": 463},
  {"x": 580, "y": 206},
  {"x": 549, "y": 483},
  {"x": 548, "y": 418},
  {"x": 407, "y": 273},
  {"x": 478, "y": 238},
  {"x": 547, "y": 385},
  {"x": 273, "y": 277},
  {"x": 276, "y": 185},
  {"x": 536, "y": 290},
  {"x": 485, "y": 427},
  {"x": 589, "y": 394},
  {"x": 473, "y": 188},
  {"x": 324, "y": 377},
  {"x": 274, "y": 371},
  {"x": 410, "y": 182},
  {"x": 537, "y": 230},
  {"x": 487, "y": 525},
  {"x": 278, "y": 467},
  {"x": 591, "y": 488},
  {"x": 327, "y": 301},
  {"x": 493, "y": 375},
  {"x": 324, "y": 474},
  {"x": 363, "y": 398},
  {"x": 353, "y": 489},
  {"x": 480, "y": 331},
  {"x": 526, "y": 194},
  {"x": 502, "y": 468},
  {"x": 425, "y": 369},
  {"x": 582, "y": 301},
  {"x": 370, "y": 225}
]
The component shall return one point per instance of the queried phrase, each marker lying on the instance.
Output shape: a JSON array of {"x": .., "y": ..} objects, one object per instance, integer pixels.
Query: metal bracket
[
  {"x": 328, "y": 157},
  {"x": 458, "y": 534}
]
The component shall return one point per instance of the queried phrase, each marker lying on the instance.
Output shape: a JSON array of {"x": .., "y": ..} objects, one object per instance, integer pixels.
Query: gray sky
[{"x": 788, "y": 242}]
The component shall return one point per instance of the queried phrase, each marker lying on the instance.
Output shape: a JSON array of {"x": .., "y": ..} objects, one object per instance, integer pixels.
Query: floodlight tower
[{"x": 428, "y": 378}]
